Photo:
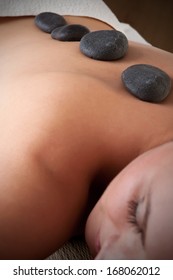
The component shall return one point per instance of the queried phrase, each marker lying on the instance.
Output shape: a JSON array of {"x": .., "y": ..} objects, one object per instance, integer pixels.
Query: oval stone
[
  {"x": 48, "y": 21},
  {"x": 147, "y": 82},
  {"x": 71, "y": 32},
  {"x": 104, "y": 45}
]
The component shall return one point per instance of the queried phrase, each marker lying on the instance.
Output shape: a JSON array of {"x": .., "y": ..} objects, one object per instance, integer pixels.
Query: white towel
[{"x": 89, "y": 8}]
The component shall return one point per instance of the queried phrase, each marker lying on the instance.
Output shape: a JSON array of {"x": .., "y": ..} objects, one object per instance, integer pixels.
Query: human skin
[
  {"x": 115, "y": 230},
  {"x": 68, "y": 127}
]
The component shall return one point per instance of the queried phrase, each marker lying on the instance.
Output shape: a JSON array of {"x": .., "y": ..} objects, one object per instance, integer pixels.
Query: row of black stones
[
  {"x": 146, "y": 82},
  {"x": 101, "y": 45},
  {"x": 58, "y": 27}
]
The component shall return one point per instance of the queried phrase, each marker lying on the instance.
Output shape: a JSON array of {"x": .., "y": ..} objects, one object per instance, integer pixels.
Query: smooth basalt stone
[
  {"x": 104, "y": 45},
  {"x": 48, "y": 21},
  {"x": 71, "y": 32},
  {"x": 147, "y": 82}
]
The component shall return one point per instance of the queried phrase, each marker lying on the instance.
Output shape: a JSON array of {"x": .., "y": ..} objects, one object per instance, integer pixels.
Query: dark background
[{"x": 153, "y": 19}]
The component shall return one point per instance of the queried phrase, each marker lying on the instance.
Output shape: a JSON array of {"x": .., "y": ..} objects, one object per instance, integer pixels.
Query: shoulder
[{"x": 67, "y": 130}]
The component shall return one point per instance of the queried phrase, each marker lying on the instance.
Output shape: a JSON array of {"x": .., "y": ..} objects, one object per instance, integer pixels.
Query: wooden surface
[{"x": 153, "y": 19}]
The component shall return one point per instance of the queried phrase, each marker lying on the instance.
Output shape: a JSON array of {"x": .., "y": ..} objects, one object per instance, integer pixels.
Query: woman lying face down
[
  {"x": 134, "y": 217},
  {"x": 68, "y": 127}
]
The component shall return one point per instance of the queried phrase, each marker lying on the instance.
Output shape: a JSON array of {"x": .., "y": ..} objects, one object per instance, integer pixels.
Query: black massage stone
[
  {"x": 147, "y": 82},
  {"x": 48, "y": 21},
  {"x": 71, "y": 32},
  {"x": 104, "y": 45}
]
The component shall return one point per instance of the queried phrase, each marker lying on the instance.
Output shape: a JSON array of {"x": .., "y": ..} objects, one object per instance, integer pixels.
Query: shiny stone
[
  {"x": 104, "y": 45},
  {"x": 48, "y": 21},
  {"x": 71, "y": 32},
  {"x": 147, "y": 82}
]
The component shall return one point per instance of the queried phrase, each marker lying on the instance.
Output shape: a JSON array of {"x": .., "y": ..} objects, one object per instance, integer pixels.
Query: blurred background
[{"x": 153, "y": 19}]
